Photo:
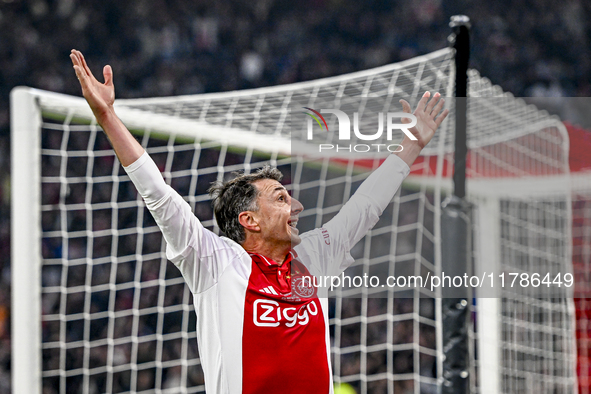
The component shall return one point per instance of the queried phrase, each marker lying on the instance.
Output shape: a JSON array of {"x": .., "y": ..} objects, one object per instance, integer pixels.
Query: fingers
[
  {"x": 441, "y": 117},
  {"x": 82, "y": 78},
  {"x": 84, "y": 65},
  {"x": 108, "y": 74},
  {"x": 405, "y": 108},
  {"x": 80, "y": 73},
  {"x": 438, "y": 107},
  {"x": 78, "y": 67},
  {"x": 85, "y": 78},
  {"x": 423, "y": 101},
  {"x": 78, "y": 59},
  {"x": 432, "y": 103},
  {"x": 74, "y": 59},
  {"x": 433, "y": 107}
]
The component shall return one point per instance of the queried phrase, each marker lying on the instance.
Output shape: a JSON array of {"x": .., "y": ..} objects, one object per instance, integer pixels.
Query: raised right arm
[
  {"x": 100, "y": 98},
  {"x": 189, "y": 244},
  {"x": 140, "y": 167}
]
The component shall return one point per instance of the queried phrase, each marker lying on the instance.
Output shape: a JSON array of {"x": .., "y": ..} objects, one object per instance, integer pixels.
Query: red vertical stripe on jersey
[{"x": 284, "y": 336}]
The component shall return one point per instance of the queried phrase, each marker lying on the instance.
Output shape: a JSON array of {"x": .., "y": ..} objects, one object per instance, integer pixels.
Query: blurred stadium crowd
[{"x": 158, "y": 47}]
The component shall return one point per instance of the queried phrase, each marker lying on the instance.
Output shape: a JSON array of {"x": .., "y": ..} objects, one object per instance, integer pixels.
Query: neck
[{"x": 276, "y": 253}]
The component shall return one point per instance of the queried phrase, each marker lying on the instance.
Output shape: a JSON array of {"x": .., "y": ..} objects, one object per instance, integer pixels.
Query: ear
[{"x": 248, "y": 220}]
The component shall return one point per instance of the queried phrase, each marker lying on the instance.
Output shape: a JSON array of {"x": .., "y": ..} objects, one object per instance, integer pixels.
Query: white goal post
[
  {"x": 96, "y": 307},
  {"x": 26, "y": 258}
]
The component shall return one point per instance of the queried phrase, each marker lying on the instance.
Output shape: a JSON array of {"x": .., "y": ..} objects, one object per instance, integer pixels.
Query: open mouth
[{"x": 293, "y": 223}]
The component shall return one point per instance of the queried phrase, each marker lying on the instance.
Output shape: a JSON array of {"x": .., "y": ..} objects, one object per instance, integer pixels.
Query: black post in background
[
  {"x": 460, "y": 37},
  {"x": 456, "y": 233}
]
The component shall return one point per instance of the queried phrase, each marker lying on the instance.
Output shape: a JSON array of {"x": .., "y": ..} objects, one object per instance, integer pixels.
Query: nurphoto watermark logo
[{"x": 393, "y": 122}]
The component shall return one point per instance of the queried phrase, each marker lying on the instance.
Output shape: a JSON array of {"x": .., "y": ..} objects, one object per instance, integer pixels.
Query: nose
[{"x": 296, "y": 206}]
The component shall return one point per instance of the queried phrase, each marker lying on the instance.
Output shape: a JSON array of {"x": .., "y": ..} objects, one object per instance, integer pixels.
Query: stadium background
[{"x": 159, "y": 48}]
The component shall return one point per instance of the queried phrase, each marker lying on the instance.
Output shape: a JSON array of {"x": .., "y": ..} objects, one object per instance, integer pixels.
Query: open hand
[
  {"x": 100, "y": 96},
  {"x": 429, "y": 117}
]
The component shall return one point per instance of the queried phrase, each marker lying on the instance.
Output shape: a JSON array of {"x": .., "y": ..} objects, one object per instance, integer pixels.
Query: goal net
[{"x": 99, "y": 309}]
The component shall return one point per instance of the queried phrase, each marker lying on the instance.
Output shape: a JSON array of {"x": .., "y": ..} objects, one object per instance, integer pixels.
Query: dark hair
[{"x": 237, "y": 195}]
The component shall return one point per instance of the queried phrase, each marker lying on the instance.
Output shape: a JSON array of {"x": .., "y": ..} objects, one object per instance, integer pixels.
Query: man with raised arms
[{"x": 258, "y": 329}]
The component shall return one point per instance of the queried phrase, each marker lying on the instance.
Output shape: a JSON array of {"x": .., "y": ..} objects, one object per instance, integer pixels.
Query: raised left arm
[{"x": 364, "y": 208}]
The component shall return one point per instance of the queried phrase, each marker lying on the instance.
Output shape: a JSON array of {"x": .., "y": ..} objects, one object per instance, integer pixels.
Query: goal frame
[{"x": 26, "y": 241}]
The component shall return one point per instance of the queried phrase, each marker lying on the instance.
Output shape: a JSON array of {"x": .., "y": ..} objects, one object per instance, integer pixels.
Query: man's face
[{"x": 277, "y": 214}]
